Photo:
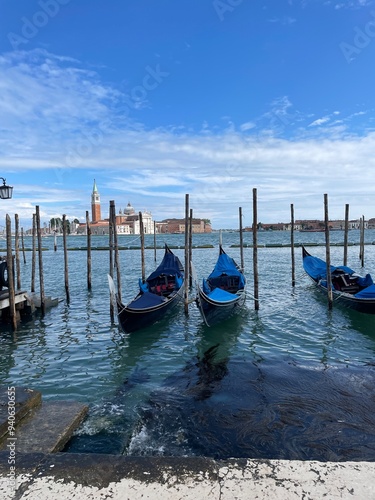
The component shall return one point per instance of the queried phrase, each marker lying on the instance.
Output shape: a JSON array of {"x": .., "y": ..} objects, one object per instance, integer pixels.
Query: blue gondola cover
[
  {"x": 227, "y": 265},
  {"x": 366, "y": 293},
  {"x": 145, "y": 300},
  {"x": 317, "y": 268},
  {"x": 220, "y": 295}
]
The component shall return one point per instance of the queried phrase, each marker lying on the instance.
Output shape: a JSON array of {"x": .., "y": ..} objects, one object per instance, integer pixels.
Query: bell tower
[{"x": 95, "y": 204}]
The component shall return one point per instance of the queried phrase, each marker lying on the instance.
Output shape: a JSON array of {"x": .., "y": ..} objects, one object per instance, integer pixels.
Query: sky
[{"x": 155, "y": 99}]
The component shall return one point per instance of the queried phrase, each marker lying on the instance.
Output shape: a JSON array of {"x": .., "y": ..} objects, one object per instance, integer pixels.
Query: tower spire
[{"x": 95, "y": 204}]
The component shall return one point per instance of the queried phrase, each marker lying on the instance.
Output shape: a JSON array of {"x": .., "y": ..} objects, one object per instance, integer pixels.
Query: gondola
[
  {"x": 223, "y": 292},
  {"x": 348, "y": 288},
  {"x": 158, "y": 295}
]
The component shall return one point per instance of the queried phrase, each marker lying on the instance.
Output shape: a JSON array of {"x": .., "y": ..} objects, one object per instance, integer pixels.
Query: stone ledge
[
  {"x": 37, "y": 426},
  {"x": 84, "y": 476}
]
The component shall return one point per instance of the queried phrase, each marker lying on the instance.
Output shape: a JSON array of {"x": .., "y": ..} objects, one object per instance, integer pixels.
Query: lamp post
[{"x": 5, "y": 191}]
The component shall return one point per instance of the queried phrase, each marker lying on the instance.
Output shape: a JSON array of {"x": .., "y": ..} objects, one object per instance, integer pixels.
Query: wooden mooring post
[
  {"x": 23, "y": 246},
  {"x": 255, "y": 250},
  {"x": 117, "y": 257},
  {"x": 33, "y": 255},
  {"x": 292, "y": 245},
  {"x": 41, "y": 277},
  {"x": 88, "y": 232},
  {"x": 17, "y": 250},
  {"x": 66, "y": 270},
  {"x": 328, "y": 253},
  {"x": 187, "y": 263},
  {"x": 110, "y": 244},
  {"x": 190, "y": 247},
  {"x": 241, "y": 239},
  {"x": 362, "y": 241},
  {"x": 142, "y": 234},
  {"x": 11, "y": 291},
  {"x": 346, "y": 231},
  {"x": 155, "y": 241}
]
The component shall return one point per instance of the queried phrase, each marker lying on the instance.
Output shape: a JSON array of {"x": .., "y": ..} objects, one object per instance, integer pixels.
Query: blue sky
[{"x": 155, "y": 99}]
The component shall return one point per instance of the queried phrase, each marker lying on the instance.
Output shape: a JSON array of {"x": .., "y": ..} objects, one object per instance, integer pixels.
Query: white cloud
[
  {"x": 320, "y": 121},
  {"x": 51, "y": 108},
  {"x": 247, "y": 126}
]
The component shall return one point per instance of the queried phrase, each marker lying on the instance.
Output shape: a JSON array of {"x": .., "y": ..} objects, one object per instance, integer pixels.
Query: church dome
[{"x": 129, "y": 210}]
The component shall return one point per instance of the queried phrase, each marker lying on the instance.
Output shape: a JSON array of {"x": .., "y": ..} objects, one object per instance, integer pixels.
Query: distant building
[
  {"x": 127, "y": 220},
  {"x": 313, "y": 225},
  {"x": 178, "y": 226},
  {"x": 356, "y": 224},
  {"x": 96, "y": 214}
]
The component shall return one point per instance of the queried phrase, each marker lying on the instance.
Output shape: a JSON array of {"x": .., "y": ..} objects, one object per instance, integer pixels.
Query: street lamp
[{"x": 5, "y": 191}]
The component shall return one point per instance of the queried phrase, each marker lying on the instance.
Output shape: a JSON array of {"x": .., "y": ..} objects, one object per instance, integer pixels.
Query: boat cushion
[
  {"x": 221, "y": 295},
  {"x": 366, "y": 281},
  {"x": 205, "y": 287},
  {"x": 146, "y": 300},
  {"x": 179, "y": 282},
  {"x": 366, "y": 293},
  {"x": 143, "y": 286}
]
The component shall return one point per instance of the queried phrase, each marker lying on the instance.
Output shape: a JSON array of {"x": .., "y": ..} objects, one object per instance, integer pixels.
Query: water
[{"x": 292, "y": 381}]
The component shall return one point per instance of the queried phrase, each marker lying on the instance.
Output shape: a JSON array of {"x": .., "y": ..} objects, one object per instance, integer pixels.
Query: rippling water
[{"x": 292, "y": 380}]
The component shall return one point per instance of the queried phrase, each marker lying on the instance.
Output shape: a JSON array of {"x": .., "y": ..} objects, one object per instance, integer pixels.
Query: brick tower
[{"x": 95, "y": 204}]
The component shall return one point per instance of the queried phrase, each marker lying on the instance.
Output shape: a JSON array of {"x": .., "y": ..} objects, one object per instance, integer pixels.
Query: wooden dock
[
  {"x": 24, "y": 305},
  {"x": 38, "y": 426}
]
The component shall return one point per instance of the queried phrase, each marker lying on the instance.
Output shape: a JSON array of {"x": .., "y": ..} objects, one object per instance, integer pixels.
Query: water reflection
[
  {"x": 292, "y": 380},
  {"x": 272, "y": 410}
]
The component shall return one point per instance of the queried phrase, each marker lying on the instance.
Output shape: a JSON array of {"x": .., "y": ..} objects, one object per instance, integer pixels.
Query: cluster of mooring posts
[
  {"x": 327, "y": 245},
  {"x": 114, "y": 261},
  {"x": 14, "y": 301}
]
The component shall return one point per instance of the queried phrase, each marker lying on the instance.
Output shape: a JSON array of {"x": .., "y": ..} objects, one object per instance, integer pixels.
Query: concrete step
[
  {"x": 47, "y": 428},
  {"x": 35, "y": 426}
]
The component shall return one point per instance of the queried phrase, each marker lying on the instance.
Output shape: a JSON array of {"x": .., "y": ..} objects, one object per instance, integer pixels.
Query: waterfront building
[
  {"x": 127, "y": 220},
  {"x": 177, "y": 226}
]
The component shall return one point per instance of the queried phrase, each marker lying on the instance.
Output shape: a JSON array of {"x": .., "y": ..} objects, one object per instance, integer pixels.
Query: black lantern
[{"x": 5, "y": 191}]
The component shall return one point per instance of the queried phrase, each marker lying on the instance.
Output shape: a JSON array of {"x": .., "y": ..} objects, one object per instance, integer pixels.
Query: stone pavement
[{"x": 64, "y": 476}]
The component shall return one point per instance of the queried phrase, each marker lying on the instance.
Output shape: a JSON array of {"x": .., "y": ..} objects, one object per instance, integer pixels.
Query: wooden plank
[{"x": 18, "y": 298}]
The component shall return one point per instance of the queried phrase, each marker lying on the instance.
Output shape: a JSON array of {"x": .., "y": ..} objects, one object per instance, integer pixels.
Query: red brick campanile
[{"x": 95, "y": 204}]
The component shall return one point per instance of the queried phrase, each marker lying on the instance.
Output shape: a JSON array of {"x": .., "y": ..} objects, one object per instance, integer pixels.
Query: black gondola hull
[
  {"x": 363, "y": 305},
  {"x": 159, "y": 295},
  {"x": 132, "y": 320},
  {"x": 223, "y": 292},
  {"x": 214, "y": 312}
]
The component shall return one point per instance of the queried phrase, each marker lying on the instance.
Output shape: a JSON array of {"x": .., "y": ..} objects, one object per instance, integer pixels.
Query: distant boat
[
  {"x": 311, "y": 230},
  {"x": 348, "y": 288},
  {"x": 158, "y": 296},
  {"x": 223, "y": 292}
]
